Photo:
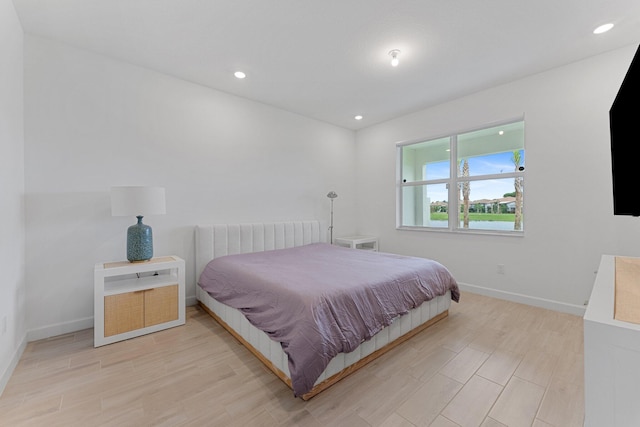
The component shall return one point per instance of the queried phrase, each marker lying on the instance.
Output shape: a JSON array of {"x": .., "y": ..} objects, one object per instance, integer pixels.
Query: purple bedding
[{"x": 319, "y": 300}]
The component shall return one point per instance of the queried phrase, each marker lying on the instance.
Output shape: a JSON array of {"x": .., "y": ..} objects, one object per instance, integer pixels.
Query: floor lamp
[{"x": 332, "y": 195}]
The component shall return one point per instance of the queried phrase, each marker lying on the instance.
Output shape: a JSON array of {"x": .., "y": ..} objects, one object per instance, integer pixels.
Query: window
[{"x": 471, "y": 181}]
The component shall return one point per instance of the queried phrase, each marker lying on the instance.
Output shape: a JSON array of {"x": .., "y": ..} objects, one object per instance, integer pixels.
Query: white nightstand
[
  {"x": 133, "y": 299},
  {"x": 369, "y": 243}
]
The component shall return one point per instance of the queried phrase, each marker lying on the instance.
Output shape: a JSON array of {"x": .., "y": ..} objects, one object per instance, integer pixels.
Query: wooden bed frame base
[{"x": 339, "y": 375}]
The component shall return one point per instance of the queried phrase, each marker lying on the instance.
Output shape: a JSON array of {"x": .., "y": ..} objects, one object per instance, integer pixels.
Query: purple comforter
[{"x": 319, "y": 300}]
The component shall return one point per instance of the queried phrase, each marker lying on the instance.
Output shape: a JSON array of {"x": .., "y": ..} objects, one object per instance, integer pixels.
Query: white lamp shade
[{"x": 134, "y": 201}]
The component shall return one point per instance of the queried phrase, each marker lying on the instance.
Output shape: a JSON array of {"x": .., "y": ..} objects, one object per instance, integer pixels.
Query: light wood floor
[{"x": 490, "y": 363}]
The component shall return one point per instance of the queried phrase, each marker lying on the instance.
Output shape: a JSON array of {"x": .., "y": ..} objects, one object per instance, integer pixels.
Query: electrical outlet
[
  {"x": 500, "y": 269},
  {"x": 3, "y": 325}
]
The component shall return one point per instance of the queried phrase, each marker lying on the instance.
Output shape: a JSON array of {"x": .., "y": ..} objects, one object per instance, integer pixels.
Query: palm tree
[{"x": 517, "y": 183}]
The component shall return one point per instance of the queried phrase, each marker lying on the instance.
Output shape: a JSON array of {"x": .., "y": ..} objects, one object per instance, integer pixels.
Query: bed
[{"x": 224, "y": 275}]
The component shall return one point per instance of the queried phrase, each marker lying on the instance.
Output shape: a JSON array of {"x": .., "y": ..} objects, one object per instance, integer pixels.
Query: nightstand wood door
[
  {"x": 123, "y": 313},
  {"x": 160, "y": 305}
]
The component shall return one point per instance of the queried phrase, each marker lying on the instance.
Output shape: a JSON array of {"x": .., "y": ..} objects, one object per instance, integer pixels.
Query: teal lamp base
[{"x": 139, "y": 242}]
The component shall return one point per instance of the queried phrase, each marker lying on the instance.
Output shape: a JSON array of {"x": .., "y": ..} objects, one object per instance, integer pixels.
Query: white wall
[
  {"x": 569, "y": 220},
  {"x": 92, "y": 123},
  {"x": 12, "y": 225}
]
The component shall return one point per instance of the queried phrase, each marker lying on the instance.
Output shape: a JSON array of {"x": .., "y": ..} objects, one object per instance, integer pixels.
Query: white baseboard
[
  {"x": 4, "y": 379},
  {"x": 189, "y": 301},
  {"x": 59, "y": 329},
  {"x": 563, "y": 307}
]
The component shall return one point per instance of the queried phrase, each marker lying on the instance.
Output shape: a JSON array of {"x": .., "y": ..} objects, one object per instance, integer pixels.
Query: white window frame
[{"x": 452, "y": 184}]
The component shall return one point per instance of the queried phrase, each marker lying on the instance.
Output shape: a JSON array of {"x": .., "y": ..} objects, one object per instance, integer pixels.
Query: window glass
[
  {"x": 490, "y": 151},
  {"x": 426, "y": 160},
  {"x": 425, "y": 206},
  {"x": 485, "y": 194},
  {"x": 494, "y": 205}
]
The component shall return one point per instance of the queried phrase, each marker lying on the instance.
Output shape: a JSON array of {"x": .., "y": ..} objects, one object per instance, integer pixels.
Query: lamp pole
[{"x": 332, "y": 195}]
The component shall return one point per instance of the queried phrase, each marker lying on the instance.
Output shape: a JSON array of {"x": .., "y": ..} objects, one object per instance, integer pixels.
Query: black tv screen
[{"x": 625, "y": 142}]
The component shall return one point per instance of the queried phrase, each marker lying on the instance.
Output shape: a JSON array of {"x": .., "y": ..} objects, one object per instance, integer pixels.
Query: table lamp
[{"x": 138, "y": 201}]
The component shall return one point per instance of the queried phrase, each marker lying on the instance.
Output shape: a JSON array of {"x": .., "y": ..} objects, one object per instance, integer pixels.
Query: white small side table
[{"x": 369, "y": 243}]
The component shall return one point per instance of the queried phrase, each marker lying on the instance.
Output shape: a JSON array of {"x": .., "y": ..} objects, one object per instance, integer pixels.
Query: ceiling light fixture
[
  {"x": 603, "y": 28},
  {"x": 394, "y": 57},
  {"x": 358, "y": 117},
  {"x": 240, "y": 75}
]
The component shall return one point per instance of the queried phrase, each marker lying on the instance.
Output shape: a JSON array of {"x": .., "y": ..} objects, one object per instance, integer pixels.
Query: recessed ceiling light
[
  {"x": 501, "y": 132},
  {"x": 603, "y": 28},
  {"x": 358, "y": 117},
  {"x": 240, "y": 75}
]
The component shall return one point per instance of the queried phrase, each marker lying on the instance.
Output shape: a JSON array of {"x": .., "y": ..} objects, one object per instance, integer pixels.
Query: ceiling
[{"x": 328, "y": 59}]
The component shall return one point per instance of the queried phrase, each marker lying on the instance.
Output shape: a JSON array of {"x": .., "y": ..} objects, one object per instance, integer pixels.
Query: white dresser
[{"x": 611, "y": 357}]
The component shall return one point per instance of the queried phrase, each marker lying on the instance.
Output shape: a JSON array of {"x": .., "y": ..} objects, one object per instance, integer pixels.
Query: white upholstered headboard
[{"x": 228, "y": 239}]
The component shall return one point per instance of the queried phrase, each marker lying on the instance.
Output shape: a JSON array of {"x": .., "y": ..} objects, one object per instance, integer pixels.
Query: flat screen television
[{"x": 625, "y": 142}]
